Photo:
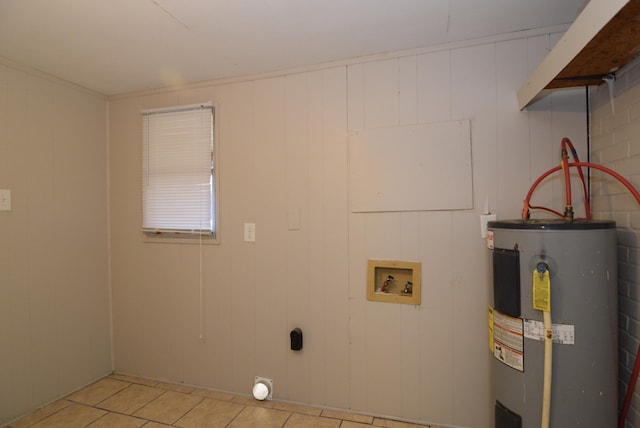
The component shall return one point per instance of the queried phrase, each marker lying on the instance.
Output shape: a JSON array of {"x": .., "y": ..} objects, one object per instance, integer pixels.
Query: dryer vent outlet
[{"x": 262, "y": 388}]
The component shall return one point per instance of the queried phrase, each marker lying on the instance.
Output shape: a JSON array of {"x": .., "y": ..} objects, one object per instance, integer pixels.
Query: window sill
[{"x": 180, "y": 239}]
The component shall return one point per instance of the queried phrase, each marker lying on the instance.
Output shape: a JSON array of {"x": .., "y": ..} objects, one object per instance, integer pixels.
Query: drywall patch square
[{"x": 410, "y": 168}]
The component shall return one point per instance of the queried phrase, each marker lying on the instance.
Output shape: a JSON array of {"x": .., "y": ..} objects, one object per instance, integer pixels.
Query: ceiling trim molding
[
  {"x": 556, "y": 29},
  {"x": 48, "y": 77}
]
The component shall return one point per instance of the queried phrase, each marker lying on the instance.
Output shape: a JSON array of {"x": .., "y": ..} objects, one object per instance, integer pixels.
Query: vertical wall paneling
[
  {"x": 17, "y": 393},
  {"x": 42, "y": 208},
  {"x": 3, "y": 123},
  {"x": 469, "y": 352},
  {"x": 6, "y": 376},
  {"x": 358, "y": 364},
  {"x": 410, "y": 322},
  {"x": 569, "y": 114},
  {"x": 316, "y": 336},
  {"x": 237, "y": 202},
  {"x": 283, "y": 152},
  {"x": 122, "y": 222},
  {"x": 269, "y": 169},
  {"x": 54, "y": 296},
  {"x": 512, "y": 124},
  {"x": 297, "y": 236},
  {"x": 381, "y": 100},
  {"x": 542, "y": 154},
  {"x": 436, "y": 365},
  {"x": 380, "y": 105},
  {"x": 434, "y": 87},
  {"x": 407, "y": 90},
  {"x": 473, "y": 70},
  {"x": 336, "y": 233}
]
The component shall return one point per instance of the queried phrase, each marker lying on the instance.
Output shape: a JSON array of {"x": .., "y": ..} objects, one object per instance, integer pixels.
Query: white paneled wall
[
  {"x": 283, "y": 148},
  {"x": 432, "y": 359}
]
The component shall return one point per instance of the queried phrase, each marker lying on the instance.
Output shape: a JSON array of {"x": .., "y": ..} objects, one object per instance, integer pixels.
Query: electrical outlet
[{"x": 249, "y": 232}]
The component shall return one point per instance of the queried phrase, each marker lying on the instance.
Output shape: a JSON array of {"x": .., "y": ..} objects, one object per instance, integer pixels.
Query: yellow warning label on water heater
[{"x": 541, "y": 291}]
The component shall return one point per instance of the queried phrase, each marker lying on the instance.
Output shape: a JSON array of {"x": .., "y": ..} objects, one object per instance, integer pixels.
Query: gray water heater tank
[{"x": 582, "y": 265}]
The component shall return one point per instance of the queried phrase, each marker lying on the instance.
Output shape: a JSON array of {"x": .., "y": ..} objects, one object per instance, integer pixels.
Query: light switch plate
[
  {"x": 249, "y": 232},
  {"x": 5, "y": 200}
]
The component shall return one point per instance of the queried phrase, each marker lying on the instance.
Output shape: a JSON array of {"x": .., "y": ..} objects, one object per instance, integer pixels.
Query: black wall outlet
[{"x": 296, "y": 339}]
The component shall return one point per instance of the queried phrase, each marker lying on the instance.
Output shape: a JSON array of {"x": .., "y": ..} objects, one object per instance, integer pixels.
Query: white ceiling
[{"x": 118, "y": 46}]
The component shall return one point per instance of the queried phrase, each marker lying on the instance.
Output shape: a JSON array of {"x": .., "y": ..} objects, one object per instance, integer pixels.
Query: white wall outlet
[
  {"x": 5, "y": 200},
  {"x": 484, "y": 219},
  {"x": 249, "y": 232}
]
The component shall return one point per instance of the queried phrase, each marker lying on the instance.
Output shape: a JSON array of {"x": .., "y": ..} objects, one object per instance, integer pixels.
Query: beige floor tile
[
  {"x": 98, "y": 391},
  {"x": 175, "y": 387},
  {"x": 215, "y": 395},
  {"x": 133, "y": 379},
  {"x": 350, "y": 424},
  {"x": 168, "y": 407},
  {"x": 296, "y": 408},
  {"x": 298, "y": 420},
  {"x": 262, "y": 417},
  {"x": 115, "y": 420},
  {"x": 250, "y": 401},
  {"x": 210, "y": 413},
  {"x": 389, "y": 423},
  {"x": 40, "y": 414},
  {"x": 347, "y": 416},
  {"x": 132, "y": 402},
  {"x": 75, "y": 415},
  {"x": 131, "y": 399}
]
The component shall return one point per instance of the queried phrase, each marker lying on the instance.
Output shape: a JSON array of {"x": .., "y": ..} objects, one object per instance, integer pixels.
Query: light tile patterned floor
[{"x": 118, "y": 401}]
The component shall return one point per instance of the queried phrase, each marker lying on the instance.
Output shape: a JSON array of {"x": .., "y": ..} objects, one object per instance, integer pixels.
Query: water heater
[{"x": 579, "y": 261}]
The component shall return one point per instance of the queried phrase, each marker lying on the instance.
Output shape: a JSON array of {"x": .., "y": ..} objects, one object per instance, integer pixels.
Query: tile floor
[{"x": 123, "y": 401}]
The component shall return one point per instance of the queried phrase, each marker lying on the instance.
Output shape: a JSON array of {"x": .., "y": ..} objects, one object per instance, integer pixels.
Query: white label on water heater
[
  {"x": 508, "y": 343},
  {"x": 562, "y": 333}
]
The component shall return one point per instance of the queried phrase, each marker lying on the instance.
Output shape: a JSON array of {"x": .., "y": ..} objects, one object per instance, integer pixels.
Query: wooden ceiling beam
[{"x": 604, "y": 37}]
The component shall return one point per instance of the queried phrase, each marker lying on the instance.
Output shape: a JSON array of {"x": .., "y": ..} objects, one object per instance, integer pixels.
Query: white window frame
[{"x": 184, "y": 235}]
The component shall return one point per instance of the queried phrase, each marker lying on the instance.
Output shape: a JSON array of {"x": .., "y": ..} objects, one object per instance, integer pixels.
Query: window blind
[{"x": 178, "y": 171}]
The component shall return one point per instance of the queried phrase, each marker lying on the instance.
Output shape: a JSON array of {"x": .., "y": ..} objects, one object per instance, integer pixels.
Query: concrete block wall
[{"x": 615, "y": 143}]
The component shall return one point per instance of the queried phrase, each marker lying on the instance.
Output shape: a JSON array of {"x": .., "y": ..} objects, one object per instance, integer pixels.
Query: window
[{"x": 178, "y": 172}]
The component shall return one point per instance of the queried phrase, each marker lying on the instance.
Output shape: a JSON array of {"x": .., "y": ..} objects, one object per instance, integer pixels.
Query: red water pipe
[
  {"x": 525, "y": 210},
  {"x": 566, "y": 146},
  {"x": 636, "y": 195},
  {"x": 612, "y": 173},
  {"x": 568, "y": 207},
  {"x": 587, "y": 205},
  {"x": 621, "y": 179}
]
